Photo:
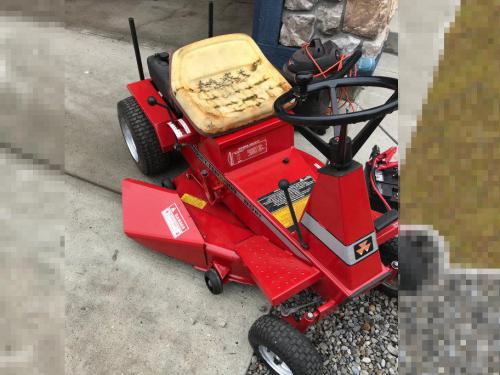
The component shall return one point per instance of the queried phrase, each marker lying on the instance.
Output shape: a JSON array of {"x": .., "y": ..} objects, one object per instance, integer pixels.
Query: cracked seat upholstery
[{"x": 224, "y": 83}]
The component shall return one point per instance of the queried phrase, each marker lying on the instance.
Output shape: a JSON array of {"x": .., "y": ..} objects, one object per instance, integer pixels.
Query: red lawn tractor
[{"x": 251, "y": 208}]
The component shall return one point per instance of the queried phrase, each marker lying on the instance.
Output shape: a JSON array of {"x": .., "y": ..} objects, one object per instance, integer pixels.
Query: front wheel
[{"x": 284, "y": 349}]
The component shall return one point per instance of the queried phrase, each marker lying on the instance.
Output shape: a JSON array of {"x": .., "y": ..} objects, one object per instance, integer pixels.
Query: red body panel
[
  {"x": 342, "y": 206},
  {"x": 144, "y": 220}
]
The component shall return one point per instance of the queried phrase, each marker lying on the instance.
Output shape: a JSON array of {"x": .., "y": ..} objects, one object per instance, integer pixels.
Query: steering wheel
[{"x": 304, "y": 88}]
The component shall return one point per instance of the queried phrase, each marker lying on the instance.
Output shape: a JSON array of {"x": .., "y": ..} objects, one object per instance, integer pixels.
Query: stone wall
[{"x": 348, "y": 23}]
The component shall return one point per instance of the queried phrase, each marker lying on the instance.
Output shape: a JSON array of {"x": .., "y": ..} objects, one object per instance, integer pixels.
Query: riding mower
[{"x": 251, "y": 208}]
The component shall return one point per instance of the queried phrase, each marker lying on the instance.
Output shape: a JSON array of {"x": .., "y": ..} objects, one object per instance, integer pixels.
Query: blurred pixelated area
[
  {"x": 449, "y": 302},
  {"x": 31, "y": 267},
  {"x": 32, "y": 81},
  {"x": 451, "y": 177},
  {"x": 31, "y": 189},
  {"x": 448, "y": 318}
]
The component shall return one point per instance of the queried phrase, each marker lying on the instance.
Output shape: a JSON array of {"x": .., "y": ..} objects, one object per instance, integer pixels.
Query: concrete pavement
[{"x": 132, "y": 311}]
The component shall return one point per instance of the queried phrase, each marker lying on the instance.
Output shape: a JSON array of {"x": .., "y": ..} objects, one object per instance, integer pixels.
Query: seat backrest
[{"x": 224, "y": 83}]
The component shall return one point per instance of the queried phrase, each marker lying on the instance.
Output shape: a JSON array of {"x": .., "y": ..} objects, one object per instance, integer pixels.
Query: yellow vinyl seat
[{"x": 224, "y": 83}]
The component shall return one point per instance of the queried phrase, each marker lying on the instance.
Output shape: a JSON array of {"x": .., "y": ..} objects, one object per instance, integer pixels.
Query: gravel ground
[{"x": 361, "y": 338}]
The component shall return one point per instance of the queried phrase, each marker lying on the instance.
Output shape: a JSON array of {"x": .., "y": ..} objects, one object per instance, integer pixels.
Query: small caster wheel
[
  {"x": 213, "y": 281},
  {"x": 168, "y": 183}
]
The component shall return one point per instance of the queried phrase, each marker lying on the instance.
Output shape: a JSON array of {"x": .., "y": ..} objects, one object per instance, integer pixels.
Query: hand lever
[
  {"x": 284, "y": 185},
  {"x": 152, "y": 102}
]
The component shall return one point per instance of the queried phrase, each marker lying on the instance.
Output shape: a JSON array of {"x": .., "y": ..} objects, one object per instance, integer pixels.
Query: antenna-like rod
[
  {"x": 210, "y": 19},
  {"x": 136, "y": 47}
]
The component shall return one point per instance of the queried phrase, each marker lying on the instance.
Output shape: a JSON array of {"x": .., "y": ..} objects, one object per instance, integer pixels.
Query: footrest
[
  {"x": 382, "y": 221},
  {"x": 277, "y": 272}
]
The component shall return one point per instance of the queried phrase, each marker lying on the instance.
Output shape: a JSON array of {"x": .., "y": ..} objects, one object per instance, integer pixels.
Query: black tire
[
  {"x": 388, "y": 254},
  {"x": 271, "y": 337},
  {"x": 213, "y": 281},
  {"x": 148, "y": 156}
]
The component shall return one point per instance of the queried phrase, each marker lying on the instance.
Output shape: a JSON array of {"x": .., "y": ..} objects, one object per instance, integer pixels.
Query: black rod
[
  {"x": 284, "y": 185},
  {"x": 210, "y": 19},
  {"x": 136, "y": 48},
  {"x": 367, "y": 130}
]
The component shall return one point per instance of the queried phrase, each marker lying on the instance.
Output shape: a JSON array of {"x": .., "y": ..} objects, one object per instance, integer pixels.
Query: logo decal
[{"x": 363, "y": 247}]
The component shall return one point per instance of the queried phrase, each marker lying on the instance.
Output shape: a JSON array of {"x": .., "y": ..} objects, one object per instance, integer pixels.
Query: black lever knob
[
  {"x": 283, "y": 184},
  {"x": 152, "y": 101}
]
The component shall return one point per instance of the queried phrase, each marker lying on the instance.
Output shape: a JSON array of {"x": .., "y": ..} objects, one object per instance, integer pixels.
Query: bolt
[
  {"x": 310, "y": 315},
  {"x": 395, "y": 264}
]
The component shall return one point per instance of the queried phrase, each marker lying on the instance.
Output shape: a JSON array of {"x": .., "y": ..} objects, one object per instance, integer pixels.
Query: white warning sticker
[
  {"x": 174, "y": 220},
  {"x": 246, "y": 152}
]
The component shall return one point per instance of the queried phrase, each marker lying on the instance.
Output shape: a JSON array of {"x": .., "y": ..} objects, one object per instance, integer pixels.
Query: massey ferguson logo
[{"x": 363, "y": 247}]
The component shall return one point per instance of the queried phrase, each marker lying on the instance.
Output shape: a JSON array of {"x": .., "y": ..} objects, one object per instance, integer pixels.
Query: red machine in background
[{"x": 253, "y": 209}]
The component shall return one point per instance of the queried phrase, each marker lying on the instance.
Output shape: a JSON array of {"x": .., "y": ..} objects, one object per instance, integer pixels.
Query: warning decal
[
  {"x": 246, "y": 152},
  {"x": 275, "y": 202},
  {"x": 194, "y": 201},
  {"x": 174, "y": 220}
]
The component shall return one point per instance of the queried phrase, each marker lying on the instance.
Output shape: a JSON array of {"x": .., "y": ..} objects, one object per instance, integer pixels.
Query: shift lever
[{"x": 284, "y": 185}]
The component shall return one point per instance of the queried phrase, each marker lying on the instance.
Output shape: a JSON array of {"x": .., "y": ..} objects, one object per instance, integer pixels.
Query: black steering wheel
[{"x": 304, "y": 88}]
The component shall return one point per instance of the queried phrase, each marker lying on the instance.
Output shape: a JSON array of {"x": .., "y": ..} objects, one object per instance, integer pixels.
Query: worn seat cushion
[{"x": 224, "y": 83}]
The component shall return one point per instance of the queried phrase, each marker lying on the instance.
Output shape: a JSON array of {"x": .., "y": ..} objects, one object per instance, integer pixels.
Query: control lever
[
  {"x": 152, "y": 102},
  {"x": 284, "y": 185},
  {"x": 287, "y": 311}
]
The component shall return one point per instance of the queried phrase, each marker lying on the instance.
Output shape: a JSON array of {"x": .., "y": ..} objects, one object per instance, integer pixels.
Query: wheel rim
[
  {"x": 129, "y": 140},
  {"x": 275, "y": 362}
]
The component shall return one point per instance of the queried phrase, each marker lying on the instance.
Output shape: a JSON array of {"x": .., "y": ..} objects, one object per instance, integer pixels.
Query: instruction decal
[
  {"x": 247, "y": 152},
  {"x": 275, "y": 202},
  {"x": 174, "y": 220}
]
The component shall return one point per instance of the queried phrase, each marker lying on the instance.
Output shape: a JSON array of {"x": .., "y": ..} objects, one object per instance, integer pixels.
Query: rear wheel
[
  {"x": 140, "y": 138},
  {"x": 390, "y": 258},
  {"x": 284, "y": 349}
]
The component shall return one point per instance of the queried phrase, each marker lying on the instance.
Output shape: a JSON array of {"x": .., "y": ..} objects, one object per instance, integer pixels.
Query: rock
[
  {"x": 364, "y": 372},
  {"x": 367, "y": 18},
  {"x": 372, "y": 48},
  {"x": 346, "y": 43},
  {"x": 391, "y": 349},
  {"x": 382, "y": 363},
  {"x": 297, "y": 29},
  {"x": 329, "y": 16},
  {"x": 300, "y": 4},
  {"x": 366, "y": 360},
  {"x": 366, "y": 326},
  {"x": 356, "y": 370}
]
